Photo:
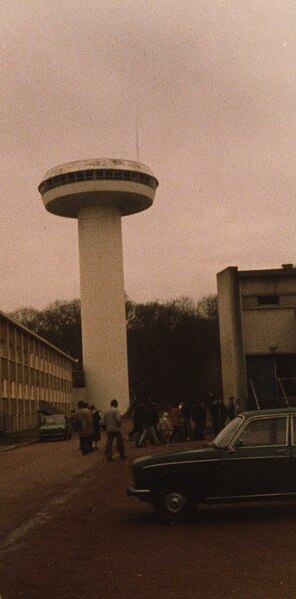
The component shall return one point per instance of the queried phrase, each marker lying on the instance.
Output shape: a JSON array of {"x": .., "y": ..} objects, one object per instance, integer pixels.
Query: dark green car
[
  {"x": 252, "y": 458},
  {"x": 55, "y": 426}
]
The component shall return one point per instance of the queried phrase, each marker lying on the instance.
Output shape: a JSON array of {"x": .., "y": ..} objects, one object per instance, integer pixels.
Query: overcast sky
[{"x": 212, "y": 86}]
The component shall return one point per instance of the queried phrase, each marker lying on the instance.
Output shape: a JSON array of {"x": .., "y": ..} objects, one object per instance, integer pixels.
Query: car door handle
[{"x": 282, "y": 452}]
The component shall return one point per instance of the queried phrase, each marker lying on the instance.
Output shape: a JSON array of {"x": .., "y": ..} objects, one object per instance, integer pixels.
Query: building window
[
  {"x": 268, "y": 300},
  {"x": 3, "y": 348},
  {"x": 25, "y": 356},
  {"x": 4, "y": 388}
]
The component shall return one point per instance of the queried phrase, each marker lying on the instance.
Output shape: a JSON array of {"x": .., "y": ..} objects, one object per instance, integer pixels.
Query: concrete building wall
[
  {"x": 268, "y": 301},
  {"x": 34, "y": 375},
  {"x": 232, "y": 356},
  {"x": 280, "y": 281},
  {"x": 266, "y": 331},
  {"x": 78, "y": 394},
  {"x": 257, "y": 318}
]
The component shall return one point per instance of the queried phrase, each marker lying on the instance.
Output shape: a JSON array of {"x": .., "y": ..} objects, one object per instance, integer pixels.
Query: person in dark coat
[
  {"x": 138, "y": 421},
  {"x": 97, "y": 427},
  {"x": 219, "y": 415},
  {"x": 186, "y": 415},
  {"x": 199, "y": 420},
  {"x": 233, "y": 408},
  {"x": 150, "y": 426},
  {"x": 177, "y": 422}
]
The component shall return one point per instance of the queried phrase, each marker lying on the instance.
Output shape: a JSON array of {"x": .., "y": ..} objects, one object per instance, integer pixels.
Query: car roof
[{"x": 271, "y": 412}]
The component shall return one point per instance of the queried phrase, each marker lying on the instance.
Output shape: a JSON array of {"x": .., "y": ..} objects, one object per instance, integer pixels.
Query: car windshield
[
  {"x": 224, "y": 437},
  {"x": 55, "y": 419}
]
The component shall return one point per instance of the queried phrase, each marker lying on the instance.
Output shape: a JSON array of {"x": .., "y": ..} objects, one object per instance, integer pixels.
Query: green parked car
[
  {"x": 55, "y": 426},
  {"x": 253, "y": 458}
]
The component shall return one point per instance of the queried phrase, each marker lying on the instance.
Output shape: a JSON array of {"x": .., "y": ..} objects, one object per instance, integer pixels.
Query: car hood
[{"x": 205, "y": 453}]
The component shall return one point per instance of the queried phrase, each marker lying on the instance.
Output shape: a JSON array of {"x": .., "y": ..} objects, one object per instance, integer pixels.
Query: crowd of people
[
  {"x": 87, "y": 422},
  {"x": 181, "y": 422}
]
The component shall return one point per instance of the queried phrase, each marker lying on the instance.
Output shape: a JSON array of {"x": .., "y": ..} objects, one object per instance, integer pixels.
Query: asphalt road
[{"x": 68, "y": 531}]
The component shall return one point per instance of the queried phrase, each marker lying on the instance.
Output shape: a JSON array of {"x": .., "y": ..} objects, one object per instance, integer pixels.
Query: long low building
[{"x": 34, "y": 376}]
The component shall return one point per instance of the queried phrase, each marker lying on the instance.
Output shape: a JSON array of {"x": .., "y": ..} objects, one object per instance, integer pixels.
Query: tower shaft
[{"x": 103, "y": 306}]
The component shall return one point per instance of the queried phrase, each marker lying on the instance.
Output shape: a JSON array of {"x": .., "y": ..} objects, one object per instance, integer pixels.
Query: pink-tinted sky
[{"x": 212, "y": 85}]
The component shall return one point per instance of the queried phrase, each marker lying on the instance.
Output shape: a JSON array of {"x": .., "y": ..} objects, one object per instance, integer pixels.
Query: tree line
[{"x": 173, "y": 346}]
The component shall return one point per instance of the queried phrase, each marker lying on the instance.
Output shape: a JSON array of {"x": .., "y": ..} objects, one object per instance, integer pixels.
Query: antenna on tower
[{"x": 137, "y": 141}]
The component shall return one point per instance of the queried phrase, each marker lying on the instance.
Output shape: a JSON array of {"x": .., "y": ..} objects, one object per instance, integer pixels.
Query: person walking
[
  {"x": 165, "y": 429},
  {"x": 177, "y": 422},
  {"x": 219, "y": 415},
  {"x": 150, "y": 426},
  {"x": 185, "y": 410},
  {"x": 97, "y": 427},
  {"x": 112, "y": 420},
  {"x": 84, "y": 425},
  {"x": 199, "y": 417},
  {"x": 138, "y": 422},
  {"x": 231, "y": 408}
]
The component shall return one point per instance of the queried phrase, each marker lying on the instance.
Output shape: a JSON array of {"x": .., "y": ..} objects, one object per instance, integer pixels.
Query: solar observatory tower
[{"x": 98, "y": 193}]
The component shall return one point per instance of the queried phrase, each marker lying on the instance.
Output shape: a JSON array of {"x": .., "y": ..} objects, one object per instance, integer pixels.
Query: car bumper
[{"x": 142, "y": 494}]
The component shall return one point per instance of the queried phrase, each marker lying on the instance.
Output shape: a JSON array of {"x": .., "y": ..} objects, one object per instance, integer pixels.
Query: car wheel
[{"x": 173, "y": 503}]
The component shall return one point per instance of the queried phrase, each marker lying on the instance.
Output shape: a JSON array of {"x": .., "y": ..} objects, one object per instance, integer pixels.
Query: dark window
[
  {"x": 135, "y": 176},
  {"x": 88, "y": 175},
  {"x": 109, "y": 174},
  {"x": 264, "y": 300},
  {"x": 80, "y": 176}
]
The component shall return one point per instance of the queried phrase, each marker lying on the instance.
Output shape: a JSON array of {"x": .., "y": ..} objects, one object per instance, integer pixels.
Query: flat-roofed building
[
  {"x": 34, "y": 376},
  {"x": 257, "y": 319}
]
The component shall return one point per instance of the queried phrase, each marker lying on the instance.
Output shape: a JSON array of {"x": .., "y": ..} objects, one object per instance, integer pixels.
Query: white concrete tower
[{"x": 98, "y": 193}]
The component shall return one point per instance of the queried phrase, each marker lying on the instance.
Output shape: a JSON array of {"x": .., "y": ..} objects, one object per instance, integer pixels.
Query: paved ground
[{"x": 69, "y": 532}]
